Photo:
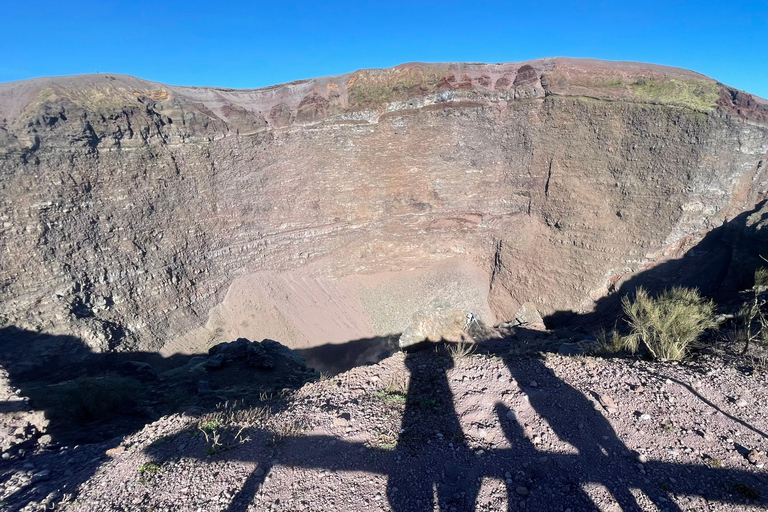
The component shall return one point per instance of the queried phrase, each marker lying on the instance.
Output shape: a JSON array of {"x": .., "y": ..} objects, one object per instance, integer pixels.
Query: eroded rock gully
[{"x": 137, "y": 215}]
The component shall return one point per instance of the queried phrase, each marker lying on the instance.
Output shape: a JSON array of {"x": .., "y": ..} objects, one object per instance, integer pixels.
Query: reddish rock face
[{"x": 136, "y": 214}]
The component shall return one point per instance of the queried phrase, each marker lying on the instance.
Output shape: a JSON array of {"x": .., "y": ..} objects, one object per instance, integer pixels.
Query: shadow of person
[
  {"x": 602, "y": 456},
  {"x": 421, "y": 478},
  {"x": 579, "y": 464}
]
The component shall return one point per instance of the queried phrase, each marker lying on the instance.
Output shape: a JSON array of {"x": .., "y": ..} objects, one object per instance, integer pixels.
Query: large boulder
[{"x": 434, "y": 325}]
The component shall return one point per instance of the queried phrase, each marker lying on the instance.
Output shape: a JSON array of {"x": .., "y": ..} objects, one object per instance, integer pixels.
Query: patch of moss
[
  {"x": 694, "y": 94},
  {"x": 376, "y": 88}
]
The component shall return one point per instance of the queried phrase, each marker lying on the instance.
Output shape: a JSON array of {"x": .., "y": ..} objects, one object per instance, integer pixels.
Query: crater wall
[{"x": 137, "y": 215}]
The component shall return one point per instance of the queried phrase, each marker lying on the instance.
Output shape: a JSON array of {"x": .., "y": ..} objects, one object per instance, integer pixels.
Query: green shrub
[
  {"x": 754, "y": 328},
  {"x": 608, "y": 344},
  {"x": 149, "y": 468},
  {"x": 669, "y": 325}
]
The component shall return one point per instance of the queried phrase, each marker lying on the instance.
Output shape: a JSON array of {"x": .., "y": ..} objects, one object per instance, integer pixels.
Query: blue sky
[{"x": 252, "y": 44}]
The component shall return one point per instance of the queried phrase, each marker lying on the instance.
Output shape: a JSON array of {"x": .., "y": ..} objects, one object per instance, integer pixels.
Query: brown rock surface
[
  {"x": 428, "y": 432},
  {"x": 140, "y": 215}
]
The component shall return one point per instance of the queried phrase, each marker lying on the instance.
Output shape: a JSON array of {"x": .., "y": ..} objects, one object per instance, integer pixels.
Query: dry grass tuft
[
  {"x": 461, "y": 350},
  {"x": 667, "y": 326}
]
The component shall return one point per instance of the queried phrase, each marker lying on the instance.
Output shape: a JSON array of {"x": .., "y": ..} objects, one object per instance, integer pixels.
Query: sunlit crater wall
[{"x": 140, "y": 215}]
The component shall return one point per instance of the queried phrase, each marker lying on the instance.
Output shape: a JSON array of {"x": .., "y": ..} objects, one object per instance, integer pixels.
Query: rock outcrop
[{"x": 137, "y": 215}]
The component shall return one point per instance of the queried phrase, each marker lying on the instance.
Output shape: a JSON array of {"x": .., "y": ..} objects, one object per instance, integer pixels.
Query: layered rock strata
[{"x": 137, "y": 215}]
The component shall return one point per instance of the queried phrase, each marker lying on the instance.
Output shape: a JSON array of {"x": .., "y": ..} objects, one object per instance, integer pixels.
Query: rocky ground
[{"x": 435, "y": 430}]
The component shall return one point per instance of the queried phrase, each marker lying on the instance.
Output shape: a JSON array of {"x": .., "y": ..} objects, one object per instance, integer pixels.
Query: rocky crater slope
[
  {"x": 424, "y": 431},
  {"x": 141, "y": 216}
]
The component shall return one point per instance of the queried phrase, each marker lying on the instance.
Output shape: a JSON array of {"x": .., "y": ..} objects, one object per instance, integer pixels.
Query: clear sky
[{"x": 252, "y": 44}]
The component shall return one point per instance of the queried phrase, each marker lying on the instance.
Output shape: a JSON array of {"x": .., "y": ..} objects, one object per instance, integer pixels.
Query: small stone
[
  {"x": 259, "y": 472},
  {"x": 741, "y": 403},
  {"x": 342, "y": 420},
  {"x": 534, "y": 384},
  {"x": 511, "y": 415},
  {"x": 114, "y": 452},
  {"x": 607, "y": 402},
  {"x": 41, "y": 476},
  {"x": 645, "y": 417},
  {"x": 521, "y": 491},
  {"x": 755, "y": 457},
  {"x": 642, "y": 458}
]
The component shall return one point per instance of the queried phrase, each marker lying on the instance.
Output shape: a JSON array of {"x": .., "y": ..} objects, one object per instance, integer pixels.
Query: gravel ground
[{"x": 425, "y": 431}]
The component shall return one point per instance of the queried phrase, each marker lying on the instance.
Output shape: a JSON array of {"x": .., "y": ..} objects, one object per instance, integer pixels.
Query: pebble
[
  {"x": 114, "y": 452},
  {"x": 642, "y": 458},
  {"x": 755, "y": 457},
  {"x": 259, "y": 472},
  {"x": 41, "y": 476},
  {"x": 521, "y": 491},
  {"x": 534, "y": 384}
]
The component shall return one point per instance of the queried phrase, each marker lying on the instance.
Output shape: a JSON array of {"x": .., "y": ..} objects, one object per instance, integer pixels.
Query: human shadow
[
  {"x": 602, "y": 456},
  {"x": 421, "y": 480},
  {"x": 720, "y": 265},
  {"x": 433, "y": 465}
]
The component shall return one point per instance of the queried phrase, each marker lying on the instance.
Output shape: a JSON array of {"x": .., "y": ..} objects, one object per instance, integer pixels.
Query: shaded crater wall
[{"x": 127, "y": 215}]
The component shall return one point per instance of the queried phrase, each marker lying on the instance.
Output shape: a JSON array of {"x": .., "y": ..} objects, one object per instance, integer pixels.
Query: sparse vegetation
[
  {"x": 148, "y": 469},
  {"x": 695, "y": 94},
  {"x": 609, "y": 343},
  {"x": 394, "y": 390},
  {"x": 225, "y": 428},
  {"x": 714, "y": 462},
  {"x": 460, "y": 350},
  {"x": 667, "y": 326},
  {"x": 285, "y": 428},
  {"x": 387, "y": 441},
  {"x": 210, "y": 425},
  {"x": 753, "y": 328}
]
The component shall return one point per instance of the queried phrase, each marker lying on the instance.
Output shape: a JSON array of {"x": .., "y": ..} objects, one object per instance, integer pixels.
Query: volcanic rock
[{"x": 141, "y": 216}]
